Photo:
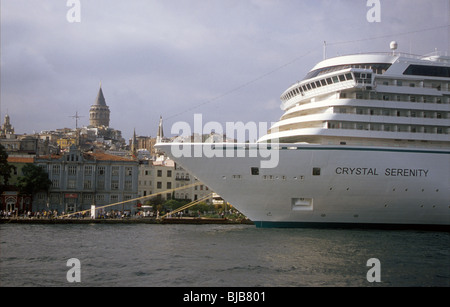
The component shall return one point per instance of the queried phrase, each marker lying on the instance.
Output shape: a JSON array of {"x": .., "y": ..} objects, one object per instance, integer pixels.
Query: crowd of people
[{"x": 54, "y": 214}]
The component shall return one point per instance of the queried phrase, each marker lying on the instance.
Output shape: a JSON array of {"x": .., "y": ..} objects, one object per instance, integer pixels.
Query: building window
[
  {"x": 55, "y": 183},
  {"x": 56, "y": 169},
  {"x": 114, "y": 184},
  {"x": 100, "y": 198},
  {"x": 169, "y": 173},
  {"x": 101, "y": 170},
  {"x": 159, "y": 173},
  {"x": 88, "y": 170},
  {"x": 87, "y": 198},
  {"x": 72, "y": 169},
  {"x": 316, "y": 171},
  {"x": 115, "y": 171},
  {"x": 128, "y": 171},
  {"x": 114, "y": 198},
  {"x": 71, "y": 184},
  {"x": 87, "y": 184},
  {"x": 128, "y": 185}
]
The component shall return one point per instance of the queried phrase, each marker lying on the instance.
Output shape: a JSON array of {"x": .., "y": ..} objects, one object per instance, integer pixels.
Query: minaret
[
  {"x": 160, "y": 135},
  {"x": 134, "y": 145},
  {"x": 99, "y": 112}
]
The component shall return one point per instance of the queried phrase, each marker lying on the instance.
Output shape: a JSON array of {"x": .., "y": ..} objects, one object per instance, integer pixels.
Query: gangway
[{"x": 135, "y": 199}]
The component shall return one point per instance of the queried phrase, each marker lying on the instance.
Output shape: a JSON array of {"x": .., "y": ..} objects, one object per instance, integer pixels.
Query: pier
[{"x": 133, "y": 220}]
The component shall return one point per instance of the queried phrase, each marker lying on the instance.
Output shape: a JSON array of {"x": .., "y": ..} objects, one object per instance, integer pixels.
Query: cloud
[{"x": 227, "y": 59}]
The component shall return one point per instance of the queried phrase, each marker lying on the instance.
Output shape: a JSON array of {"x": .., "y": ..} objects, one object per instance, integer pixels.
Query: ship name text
[{"x": 388, "y": 172}]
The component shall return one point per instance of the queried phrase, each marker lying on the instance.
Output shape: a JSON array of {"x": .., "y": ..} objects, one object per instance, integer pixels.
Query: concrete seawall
[{"x": 196, "y": 221}]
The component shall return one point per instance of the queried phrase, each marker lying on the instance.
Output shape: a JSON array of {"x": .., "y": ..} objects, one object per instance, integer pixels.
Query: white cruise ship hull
[{"x": 318, "y": 185}]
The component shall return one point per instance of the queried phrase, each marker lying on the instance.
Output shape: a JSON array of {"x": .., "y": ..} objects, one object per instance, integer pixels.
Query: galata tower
[{"x": 99, "y": 112}]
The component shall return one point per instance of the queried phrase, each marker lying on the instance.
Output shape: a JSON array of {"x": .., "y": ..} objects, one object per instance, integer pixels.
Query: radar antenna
[{"x": 393, "y": 46}]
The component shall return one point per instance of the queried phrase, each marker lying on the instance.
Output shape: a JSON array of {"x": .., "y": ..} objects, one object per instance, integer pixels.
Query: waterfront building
[
  {"x": 163, "y": 175},
  {"x": 10, "y": 199},
  {"x": 80, "y": 180}
]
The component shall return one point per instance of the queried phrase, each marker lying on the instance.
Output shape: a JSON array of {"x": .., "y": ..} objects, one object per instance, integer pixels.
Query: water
[{"x": 219, "y": 256}]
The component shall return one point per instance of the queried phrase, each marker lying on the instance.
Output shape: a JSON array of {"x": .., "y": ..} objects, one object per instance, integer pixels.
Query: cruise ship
[{"x": 363, "y": 141}]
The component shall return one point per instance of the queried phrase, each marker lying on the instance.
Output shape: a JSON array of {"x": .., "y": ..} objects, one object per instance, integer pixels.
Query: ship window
[
  {"x": 323, "y": 82},
  {"x": 329, "y": 81},
  {"x": 432, "y": 71},
  {"x": 255, "y": 171},
  {"x": 313, "y": 85},
  {"x": 349, "y": 76},
  {"x": 335, "y": 79},
  {"x": 316, "y": 171},
  {"x": 318, "y": 84}
]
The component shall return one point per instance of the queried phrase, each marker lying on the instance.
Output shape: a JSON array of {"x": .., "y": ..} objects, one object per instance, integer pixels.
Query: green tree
[
  {"x": 202, "y": 207},
  {"x": 174, "y": 204},
  {"x": 5, "y": 168},
  {"x": 34, "y": 180}
]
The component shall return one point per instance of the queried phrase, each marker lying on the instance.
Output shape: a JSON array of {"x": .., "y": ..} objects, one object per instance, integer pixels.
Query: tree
[
  {"x": 202, "y": 207},
  {"x": 34, "y": 180},
  {"x": 5, "y": 168},
  {"x": 174, "y": 204}
]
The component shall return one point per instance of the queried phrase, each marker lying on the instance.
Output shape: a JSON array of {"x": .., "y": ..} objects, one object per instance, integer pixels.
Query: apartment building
[
  {"x": 80, "y": 180},
  {"x": 163, "y": 175}
]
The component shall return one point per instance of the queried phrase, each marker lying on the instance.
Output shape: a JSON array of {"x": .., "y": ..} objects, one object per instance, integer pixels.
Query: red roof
[{"x": 20, "y": 160}]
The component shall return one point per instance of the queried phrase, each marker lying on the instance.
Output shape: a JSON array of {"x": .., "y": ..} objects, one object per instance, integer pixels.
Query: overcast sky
[{"x": 228, "y": 60}]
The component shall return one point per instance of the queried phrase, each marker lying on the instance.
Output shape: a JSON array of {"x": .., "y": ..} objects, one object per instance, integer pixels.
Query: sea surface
[{"x": 148, "y": 255}]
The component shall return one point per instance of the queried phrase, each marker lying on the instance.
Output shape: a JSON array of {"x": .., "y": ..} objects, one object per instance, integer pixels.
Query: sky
[{"x": 228, "y": 60}]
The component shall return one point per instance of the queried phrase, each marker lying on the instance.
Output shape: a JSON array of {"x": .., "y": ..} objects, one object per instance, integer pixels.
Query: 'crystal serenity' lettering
[
  {"x": 406, "y": 172},
  {"x": 364, "y": 171},
  {"x": 388, "y": 172}
]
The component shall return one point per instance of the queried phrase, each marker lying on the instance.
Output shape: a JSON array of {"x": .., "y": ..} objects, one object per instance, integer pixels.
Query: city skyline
[{"x": 228, "y": 60}]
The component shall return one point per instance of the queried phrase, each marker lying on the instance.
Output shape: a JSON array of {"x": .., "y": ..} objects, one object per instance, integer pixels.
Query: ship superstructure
[{"x": 370, "y": 100}]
